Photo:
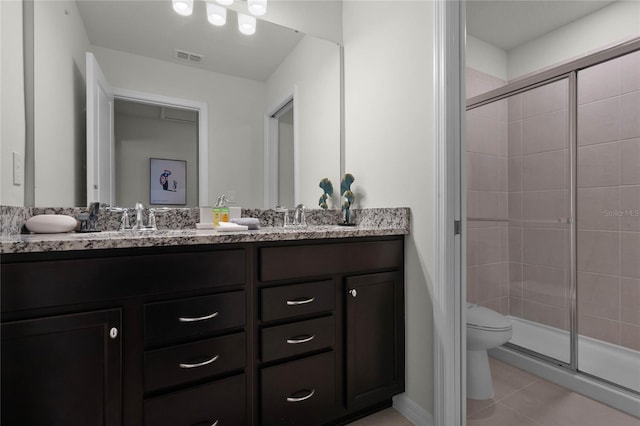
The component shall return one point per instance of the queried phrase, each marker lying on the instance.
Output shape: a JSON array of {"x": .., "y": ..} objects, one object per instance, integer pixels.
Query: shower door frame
[{"x": 569, "y": 71}]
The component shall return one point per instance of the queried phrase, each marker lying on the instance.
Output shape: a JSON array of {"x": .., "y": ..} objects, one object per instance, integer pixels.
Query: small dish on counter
[{"x": 51, "y": 223}]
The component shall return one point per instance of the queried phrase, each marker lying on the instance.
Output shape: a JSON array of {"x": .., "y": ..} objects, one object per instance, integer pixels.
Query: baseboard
[{"x": 412, "y": 411}]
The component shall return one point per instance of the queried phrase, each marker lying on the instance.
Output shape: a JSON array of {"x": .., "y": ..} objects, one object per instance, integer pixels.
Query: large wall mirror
[{"x": 146, "y": 50}]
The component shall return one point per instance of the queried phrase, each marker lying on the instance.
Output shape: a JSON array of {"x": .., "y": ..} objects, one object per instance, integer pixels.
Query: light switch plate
[{"x": 18, "y": 169}]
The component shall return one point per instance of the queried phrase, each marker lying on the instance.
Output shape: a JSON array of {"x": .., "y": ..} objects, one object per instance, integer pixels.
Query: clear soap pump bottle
[{"x": 220, "y": 211}]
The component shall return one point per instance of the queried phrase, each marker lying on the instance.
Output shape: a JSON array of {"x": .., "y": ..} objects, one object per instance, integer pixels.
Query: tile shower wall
[
  {"x": 487, "y": 239},
  {"x": 518, "y": 168},
  {"x": 608, "y": 201}
]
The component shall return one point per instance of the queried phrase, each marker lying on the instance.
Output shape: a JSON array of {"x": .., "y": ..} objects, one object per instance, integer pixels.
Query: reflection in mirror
[
  {"x": 286, "y": 179},
  {"x": 238, "y": 77},
  {"x": 145, "y": 131}
]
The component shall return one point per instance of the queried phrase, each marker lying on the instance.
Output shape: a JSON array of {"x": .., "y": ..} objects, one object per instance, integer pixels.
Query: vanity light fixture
[
  {"x": 183, "y": 7},
  {"x": 257, "y": 7},
  {"x": 225, "y": 2},
  {"x": 217, "y": 15},
  {"x": 246, "y": 24}
]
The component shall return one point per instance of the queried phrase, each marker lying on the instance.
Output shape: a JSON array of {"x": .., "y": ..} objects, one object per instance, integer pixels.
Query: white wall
[
  {"x": 486, "y": 57},
  {"x": 12, "y": 120},
  {"x": 60, "y": 43},
  {"x": 314, "y": 68},
  {"x": 142, "y": 136},
  {"x": 390, "y": 149},
  {"x": 608, "y": 25},
  {"x": 236, "y": 110}
]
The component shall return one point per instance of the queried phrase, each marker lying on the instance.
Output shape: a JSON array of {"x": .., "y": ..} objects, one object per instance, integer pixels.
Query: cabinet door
[
  {"x": 63, "y": 370},
  {"x": 374, "y": 338}
]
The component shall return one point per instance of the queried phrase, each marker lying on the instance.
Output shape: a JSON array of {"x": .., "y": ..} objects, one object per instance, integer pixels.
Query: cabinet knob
[
  {"x": 113, "y": 333},
  {"x": 353, "y": 292}
]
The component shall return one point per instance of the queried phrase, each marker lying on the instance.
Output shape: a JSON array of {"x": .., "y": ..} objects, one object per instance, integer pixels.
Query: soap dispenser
[
  {"x": 216, "y": 211},
  {"x": 224, "y": 210},
  {"x": 220, "y": 211}
]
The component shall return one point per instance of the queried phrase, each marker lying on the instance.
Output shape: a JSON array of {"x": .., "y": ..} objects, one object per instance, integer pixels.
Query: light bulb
[
  {"x": 246, "y": 24},
  {"x": 183, "y": 7},
  {"x": 217, "y": 15},
  {"x": 225, "y": 2},
  {"x": 257, "y": 7}
]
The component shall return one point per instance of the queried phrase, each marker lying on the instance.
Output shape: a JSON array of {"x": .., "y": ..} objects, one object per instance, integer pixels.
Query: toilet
[{"x": 486, "y": 329}]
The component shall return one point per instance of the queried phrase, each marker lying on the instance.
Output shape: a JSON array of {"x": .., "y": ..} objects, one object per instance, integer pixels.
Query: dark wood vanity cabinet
[
  {"x": 374, "y": 337},
  {"x": 331, "y": 326},
  {"x": 180, "y": 351},
  {"x": 62, "y": 370},
  {"x": 239, "y": 334}
]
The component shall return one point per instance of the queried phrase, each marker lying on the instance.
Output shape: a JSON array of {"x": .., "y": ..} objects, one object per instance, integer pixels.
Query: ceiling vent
[{"x": 188, "y": 56}]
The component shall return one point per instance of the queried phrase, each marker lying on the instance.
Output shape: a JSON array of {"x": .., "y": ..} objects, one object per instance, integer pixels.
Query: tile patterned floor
[
  {"x": 388, "y": 417},
  {"x": 522, "y": 399}
]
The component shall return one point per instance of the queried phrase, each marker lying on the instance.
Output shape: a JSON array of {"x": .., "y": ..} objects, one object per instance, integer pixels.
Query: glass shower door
[
  {"x": 539, "y": 208},
  {"x": 519, "y": 203},
  {"x": 608, "y": 220}
]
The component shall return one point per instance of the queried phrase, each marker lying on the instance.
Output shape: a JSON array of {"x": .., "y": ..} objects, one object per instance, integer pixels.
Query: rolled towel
[{"x": 251, "y": 222}]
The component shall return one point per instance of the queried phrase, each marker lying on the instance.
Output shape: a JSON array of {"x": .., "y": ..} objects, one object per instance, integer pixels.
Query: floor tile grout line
[
  {"x": 518, "y": 390},
  {"x": 469, "y": 414}
]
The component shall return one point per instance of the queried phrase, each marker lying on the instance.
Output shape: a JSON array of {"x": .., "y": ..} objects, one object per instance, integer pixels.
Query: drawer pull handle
[
  {"x": 200, "y": 364},
  {"x": 302, "y": 398},
  {"x": 296, "y": 302},
  {"x": 301, "y": 339},
  {"x": 207, "y": 423},
  {"x": 196, "y": 319}
]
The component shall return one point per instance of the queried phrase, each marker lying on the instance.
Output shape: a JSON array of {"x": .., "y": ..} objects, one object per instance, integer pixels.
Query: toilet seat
[{"x": 481, "y": 318}]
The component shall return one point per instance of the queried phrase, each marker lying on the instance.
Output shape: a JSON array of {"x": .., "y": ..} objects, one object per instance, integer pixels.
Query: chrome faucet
[
  {"x": 125, "y": 222},
  {"x": 151, "y": 219},
  {"x": 139, "y": 225},
  {"x": 298, "y": 216}
]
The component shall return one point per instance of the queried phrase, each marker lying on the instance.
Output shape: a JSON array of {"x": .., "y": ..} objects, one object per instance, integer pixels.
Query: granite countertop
[{"x": 27, "y": 243}]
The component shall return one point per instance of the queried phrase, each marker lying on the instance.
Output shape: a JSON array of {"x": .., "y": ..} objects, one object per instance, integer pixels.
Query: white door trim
[
  {"x": 203, "y": 129},
  {"x": 449, "y": 291},
  {"x": 271, "y": 150},
  {"x": 99, "y": 188},
  {"x": 271, "y": 161}
]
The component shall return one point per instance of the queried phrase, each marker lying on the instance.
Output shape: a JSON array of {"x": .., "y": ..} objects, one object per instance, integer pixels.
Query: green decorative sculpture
[
  {"x": 345, "y": 191},
  {"x": 327, "y": 187}
]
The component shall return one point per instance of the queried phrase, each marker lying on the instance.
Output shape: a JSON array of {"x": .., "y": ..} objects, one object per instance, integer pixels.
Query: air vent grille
[{"x": 188, "y": 56}]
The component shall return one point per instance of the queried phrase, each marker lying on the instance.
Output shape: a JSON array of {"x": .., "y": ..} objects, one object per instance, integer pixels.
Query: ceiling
[
  {"x": 153, "y": 29},
  {"x": 508, "y": 24}
]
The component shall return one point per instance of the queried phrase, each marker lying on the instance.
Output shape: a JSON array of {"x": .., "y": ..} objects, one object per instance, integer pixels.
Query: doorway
[{"x": 281, "y": 165}]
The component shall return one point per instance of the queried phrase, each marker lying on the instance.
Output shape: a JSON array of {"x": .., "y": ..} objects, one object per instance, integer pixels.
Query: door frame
[
  {"x": 97, "y": 85},
  {"x": 449, "y": 292},
  {"x": 271, "y": 136},
  {"x": 203, "y": 129}
]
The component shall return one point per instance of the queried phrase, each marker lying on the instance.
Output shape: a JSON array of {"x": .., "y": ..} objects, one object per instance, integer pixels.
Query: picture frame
[{"x": 167, "y": 181}]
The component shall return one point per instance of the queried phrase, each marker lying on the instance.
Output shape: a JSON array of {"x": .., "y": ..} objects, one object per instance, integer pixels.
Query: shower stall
[{"x": 553, "y": 206}]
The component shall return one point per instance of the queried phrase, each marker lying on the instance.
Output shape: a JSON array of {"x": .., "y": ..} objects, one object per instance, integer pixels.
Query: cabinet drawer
[
  {"x": 300, "y": 392},
  {"x": 296, "y": 261},
  {"x": 197, "y": 316},
  {"x": 297, "y": 338},
  {"x": 194, "y": 361},
  {"x": 66, "y": 282},
  {"x": 300, "y": 299},
  {"x": 223, "y": 401}
]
